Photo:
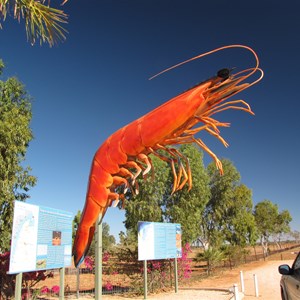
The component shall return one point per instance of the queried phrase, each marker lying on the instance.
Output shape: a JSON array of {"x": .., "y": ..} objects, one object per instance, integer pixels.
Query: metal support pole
[
  {"x": 98, "y": 259},
  {"x": 62, "y": 283},
  {"x": 77, "y": 282},
  {"x": 18, "y": 287},
  {"x": 255, "y": 285},
  {"x": 176, "y": 275},
  {"x": 145, "y": 280},
  {"x": 242, "y": 282}
]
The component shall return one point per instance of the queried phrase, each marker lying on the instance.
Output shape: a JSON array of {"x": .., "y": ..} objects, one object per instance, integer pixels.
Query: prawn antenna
[{"x": 253, "y": 70}]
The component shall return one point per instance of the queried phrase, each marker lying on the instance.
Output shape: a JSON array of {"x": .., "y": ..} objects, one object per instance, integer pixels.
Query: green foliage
[
  {"x": 15, "y": 135},
  {"x": 240, "y": 228},
  {"x": 235, "y": 254},
  {"x": 42, "y": 21},
  {"x": 212, "y": 256},
  {"x": 282, "y": 222},
  {"x": 266, "y": 213},
  {"x": 221, "y": 202},
  {"x": 75, "y": 224},
  {"x": 222, "y": 187},
  {"x": 270, "y": 222},
  {"x": 108, "y": 240},
  {"x": 128, "y": 247},
  {"x": 228, "y": 214},
  {"x": 184, "y": 206},
  {"x": 146, "y": 206}
]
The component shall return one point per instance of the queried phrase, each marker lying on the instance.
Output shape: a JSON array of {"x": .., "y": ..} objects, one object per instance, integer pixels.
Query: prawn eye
[{"x": 223, "y": 73}]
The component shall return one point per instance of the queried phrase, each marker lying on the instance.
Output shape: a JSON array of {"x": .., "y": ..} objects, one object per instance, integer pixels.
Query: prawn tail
[
  {"x": 85, "y": 231},
  {"x": 97, "y": 202},
  {"x": 79, "y": 244}
]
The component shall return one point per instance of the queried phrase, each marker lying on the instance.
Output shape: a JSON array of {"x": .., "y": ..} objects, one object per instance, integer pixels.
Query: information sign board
[
  {"x": 159, "y": 240},
  {"x": 41, "y": 238}
]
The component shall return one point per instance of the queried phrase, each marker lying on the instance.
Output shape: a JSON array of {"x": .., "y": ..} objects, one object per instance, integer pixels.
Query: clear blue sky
[{"x": 97, "y": 81}]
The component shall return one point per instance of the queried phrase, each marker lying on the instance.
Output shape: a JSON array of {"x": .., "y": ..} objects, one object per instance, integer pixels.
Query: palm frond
[
  {"x": 4, "y": 7},
  {"x": 42, "y": 22}
]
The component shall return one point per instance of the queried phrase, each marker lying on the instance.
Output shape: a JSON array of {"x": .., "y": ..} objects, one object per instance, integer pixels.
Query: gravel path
[{"x": 268, "y": 281}]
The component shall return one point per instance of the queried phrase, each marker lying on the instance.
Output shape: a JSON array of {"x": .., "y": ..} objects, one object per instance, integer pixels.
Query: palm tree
[{"x": 42, "y": 22}]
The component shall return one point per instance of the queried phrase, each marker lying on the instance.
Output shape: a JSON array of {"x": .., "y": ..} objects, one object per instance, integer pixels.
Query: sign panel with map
[
  {"x": 159, "y": 240},
  {"x": 41, "y": 238}
]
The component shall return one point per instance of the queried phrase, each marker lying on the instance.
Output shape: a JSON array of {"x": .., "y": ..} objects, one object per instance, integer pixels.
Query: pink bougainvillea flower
[
  {"x": 45, "y": 290},
  {"x": 55, "y": 289},
  {"x": 108, "y": 286}
]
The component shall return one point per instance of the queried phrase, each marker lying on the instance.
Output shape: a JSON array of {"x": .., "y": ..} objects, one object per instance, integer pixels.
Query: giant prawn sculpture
[{"x": 125, "y": 154}]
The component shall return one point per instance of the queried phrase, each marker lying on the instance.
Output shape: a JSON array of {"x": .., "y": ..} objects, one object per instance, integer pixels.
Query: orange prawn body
[{"x": 125, "y": 154}]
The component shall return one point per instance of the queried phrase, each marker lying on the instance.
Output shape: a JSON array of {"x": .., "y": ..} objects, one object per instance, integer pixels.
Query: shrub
[{"x": 29, "y": 279}]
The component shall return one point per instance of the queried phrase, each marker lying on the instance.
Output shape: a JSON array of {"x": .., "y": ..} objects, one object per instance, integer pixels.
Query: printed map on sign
[
  {"x": 41, "y": 238},
  {"x": 24, "y": 237}
]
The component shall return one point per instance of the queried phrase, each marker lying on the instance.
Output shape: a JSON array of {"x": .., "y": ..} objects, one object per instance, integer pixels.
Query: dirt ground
[{"x": 214, "y": 288}]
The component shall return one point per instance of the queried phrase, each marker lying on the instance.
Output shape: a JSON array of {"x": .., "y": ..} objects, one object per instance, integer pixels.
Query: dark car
[{"x": 290, "y": 280}]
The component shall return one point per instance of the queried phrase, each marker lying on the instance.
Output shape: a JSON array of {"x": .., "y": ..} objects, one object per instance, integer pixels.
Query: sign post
[
  {"x": 98, "y": 259},
  {"x": 145, "y": 280},
  {"x": 176, "y": 275},
  {"x": 61, "y": 283},
  {"x": 18, "y": 287}
]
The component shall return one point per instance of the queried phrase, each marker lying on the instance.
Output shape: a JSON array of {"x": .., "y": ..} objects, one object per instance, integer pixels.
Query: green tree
[
  {"x": 42, "y": 21},
  {"x": 108, "y": 240},
  {"x": 266, "y": 214},
  {"x": 240, "y": 228},
  {"x": 228, "y": 215},
  {"x": 282, "y": 226},
  {"x": 221, "y": 202},
  {"x": 15, "y": 135},
  {"x": 146, "y": 206},
  {"x": 127, "y": 249},
  {"x": 184, "y": 206},
  {"x": 295, "y": 235}
]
